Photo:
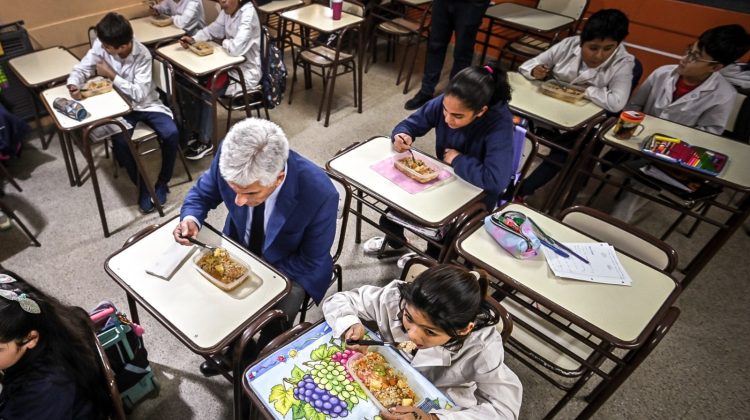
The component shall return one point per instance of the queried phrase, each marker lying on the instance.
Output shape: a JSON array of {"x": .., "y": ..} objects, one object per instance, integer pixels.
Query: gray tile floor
[{"x": 698, "y": 371}]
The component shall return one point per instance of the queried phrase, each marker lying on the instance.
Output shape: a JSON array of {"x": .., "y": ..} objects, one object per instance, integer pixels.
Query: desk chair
[
  {"x": 417, "y": 265},
  {"x": 394, "y": 29},
  {"x": 11, "y": 215},
  {"x": 525, "y": 148},
  {"x": 118, "y": 411},
  {"x": 342, "y": 214},
  {"x": 5, "y": 174},
  {"x": 329, "y": 61}
]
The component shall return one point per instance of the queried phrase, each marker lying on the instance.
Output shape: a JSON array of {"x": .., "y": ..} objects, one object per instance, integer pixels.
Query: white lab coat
[
  {"x": 737, "y": 74},
  {"x": 241, "y": 36},
  {"x": 608, "y": 85},
  {"x": 187, "y": 15},
  {"x": 133, "y": 75},
  {"x": 474, "y": 377},
  {"x": 707, "y": 107}
]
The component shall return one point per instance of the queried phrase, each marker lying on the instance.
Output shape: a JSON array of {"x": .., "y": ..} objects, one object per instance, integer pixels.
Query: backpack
[{"x": 273, "y": 80}]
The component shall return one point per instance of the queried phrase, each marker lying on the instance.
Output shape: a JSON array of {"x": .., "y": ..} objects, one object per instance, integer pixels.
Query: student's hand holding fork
[
  {"x": 540, "y": 72},
  {"x": 75, "y": 92},
  {"x": 402, "y": 142},
  {"x": 186, "y": 40}
]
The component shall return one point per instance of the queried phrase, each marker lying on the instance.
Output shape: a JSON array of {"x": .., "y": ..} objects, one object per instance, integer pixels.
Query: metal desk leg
[
  {"x": 133, "y": 309},
  {"x": 95, "y": 183},
  {"x": 66, "y": 158}
]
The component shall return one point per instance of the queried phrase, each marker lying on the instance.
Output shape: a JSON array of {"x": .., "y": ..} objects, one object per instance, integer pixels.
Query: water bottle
[{"x": 72, "y": 109}]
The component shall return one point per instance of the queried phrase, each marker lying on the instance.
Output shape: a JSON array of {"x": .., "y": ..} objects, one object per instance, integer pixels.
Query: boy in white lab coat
[
  {"x": 596, "y": 60},
  {"x": 691, "y": 93},
  {"x": 187, "y": 15},
  {"x": 119, "y": 57}
]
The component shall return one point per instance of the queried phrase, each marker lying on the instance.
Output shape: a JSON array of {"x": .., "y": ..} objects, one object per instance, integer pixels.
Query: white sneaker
[
  {"x": 4, "y": 221},
  {"x": 373, "y": 245},
  {"x": 401, "y": 263}
]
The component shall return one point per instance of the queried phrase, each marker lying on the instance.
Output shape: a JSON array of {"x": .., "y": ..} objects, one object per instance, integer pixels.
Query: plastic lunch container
[
  {"x": 395, "y": 361},
  {"x": 96, "y": 86},
  {"x": 201, "y": 48},
  {"x": 411, "y": 173},
  {"x": 161, "y": 20},
  {"x": 218, "y": 283},
  {"x": 563, "y": 91}
]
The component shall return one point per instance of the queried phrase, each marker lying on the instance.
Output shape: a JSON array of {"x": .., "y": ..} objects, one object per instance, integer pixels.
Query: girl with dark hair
[
  {"x": 474, "y": 134},
  {"x": 47, "y": 357},
  {"x": 445, "y": 315}
]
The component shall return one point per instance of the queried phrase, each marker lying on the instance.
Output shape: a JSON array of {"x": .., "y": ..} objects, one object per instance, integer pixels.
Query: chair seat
[
  {"x": 399, "y": 26},
  {"x": 323, "y": 56},
  {"x": 237, "y": 103},
  {"x": 142, "y": 132},
  {"x": 529, "y": 45},
  {"x": 566, "y": 364}
]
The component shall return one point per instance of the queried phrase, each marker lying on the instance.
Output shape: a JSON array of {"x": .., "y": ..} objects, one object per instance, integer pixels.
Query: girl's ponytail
[
  {"x": 480, "y": 86},
  {"x": 501, "y": 88}
]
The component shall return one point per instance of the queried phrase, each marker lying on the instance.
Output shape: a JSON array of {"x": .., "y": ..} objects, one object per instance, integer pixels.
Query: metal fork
[{"x": 199, "y": 243}]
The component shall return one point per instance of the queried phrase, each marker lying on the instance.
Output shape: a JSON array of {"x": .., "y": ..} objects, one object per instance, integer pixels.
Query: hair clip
[
  {"x": 26, "y": 303},
  {"x": 489, "y": 69},
  {"x": 5, "y": 279}
]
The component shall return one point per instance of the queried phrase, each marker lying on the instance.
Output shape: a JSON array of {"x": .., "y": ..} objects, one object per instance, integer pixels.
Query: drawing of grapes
[{"x": 322, "y": 389}]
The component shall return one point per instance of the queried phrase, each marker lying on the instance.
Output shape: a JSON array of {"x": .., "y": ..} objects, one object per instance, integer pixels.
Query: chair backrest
[
  {"x": 353, "y": 8},
  {"x": 637, "y": 74},
  {"x": 92, "y": 35},
  {"x": 739, "y": 100},
  {"x": 211, "y": 9},
  {"x": 414, "y": 267},
  {"x": 109, "y": 377},
  {"x": 525, "y": 146},
  {"x": 570, "y": 8},
  {"x": 342, "y": 212},
  {"x": 624, "y": 237}
]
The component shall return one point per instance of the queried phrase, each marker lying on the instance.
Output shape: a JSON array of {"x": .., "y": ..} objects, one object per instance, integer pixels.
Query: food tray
[
  {"x": 394, "y": 361},
  {"x": 431, "y": 174},
  {"x": 201, "y": 48},
  {"x": 563, "y": 91},
  {"x": 161, "y": 20},
  {"x": 218, "y": 283},
  {"x": 96, "y": 86}
]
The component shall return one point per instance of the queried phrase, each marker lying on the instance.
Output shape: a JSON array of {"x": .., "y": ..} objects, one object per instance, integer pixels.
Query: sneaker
[
  {"x": 144, "y": 201},
  {"x": 373, "y": 245},
  {"x": 4, "y": 221},
  {"x": 401, "y": 263},
  {"x": 417, "y": 101},
  {"x": 198, "y": 151},
  {"x": 161, "y": 191}
]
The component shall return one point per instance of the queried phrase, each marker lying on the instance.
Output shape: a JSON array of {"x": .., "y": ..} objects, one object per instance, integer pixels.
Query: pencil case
[
  {"x": 677, "y": 151},
  {"x": 514, "y": 234}
]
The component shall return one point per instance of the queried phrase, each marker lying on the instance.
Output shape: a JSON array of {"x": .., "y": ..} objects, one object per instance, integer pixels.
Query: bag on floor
[{"x": 273, "y": 80}]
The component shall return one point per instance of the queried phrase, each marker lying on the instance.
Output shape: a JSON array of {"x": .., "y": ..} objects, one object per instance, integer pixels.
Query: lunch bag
[{"x": 514, "y": 232}]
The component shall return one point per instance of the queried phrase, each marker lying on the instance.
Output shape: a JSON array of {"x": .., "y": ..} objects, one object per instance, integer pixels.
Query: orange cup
[{"x": 627, "y": 124}]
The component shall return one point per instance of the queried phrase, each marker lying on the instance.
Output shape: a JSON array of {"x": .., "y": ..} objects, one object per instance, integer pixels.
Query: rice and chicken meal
[
  {"x": 221, "y": 266},
  {"x": 387, "y": 385},
  {"x": 417, "y": 165}
]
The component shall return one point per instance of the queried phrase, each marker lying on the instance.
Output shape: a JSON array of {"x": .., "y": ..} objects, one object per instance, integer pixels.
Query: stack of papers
[{"x": 604, "y": 266}]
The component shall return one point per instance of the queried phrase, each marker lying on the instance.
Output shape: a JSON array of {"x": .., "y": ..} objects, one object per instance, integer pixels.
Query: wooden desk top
[
  {"x": 197, "y": 65},
  {"x": 528, "y": 17},
  {"x": 320, "y": 18},
  {"x": 99, "y": 107},
  {"x": 148, "y": 33},
  {"x": 43, "y": 66}
]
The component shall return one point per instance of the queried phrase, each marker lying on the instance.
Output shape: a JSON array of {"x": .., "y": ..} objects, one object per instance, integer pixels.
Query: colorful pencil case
[
  {"x": 674, "y": 150},
  {"x": 515, "y": 235}
]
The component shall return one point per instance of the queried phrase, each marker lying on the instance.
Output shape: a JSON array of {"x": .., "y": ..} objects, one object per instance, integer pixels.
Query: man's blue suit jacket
[{"x": 300, "y": 231}]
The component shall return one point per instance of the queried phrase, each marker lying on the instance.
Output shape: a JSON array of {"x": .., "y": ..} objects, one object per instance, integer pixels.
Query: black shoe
[
  {"x": 209, "y": 369},
  {"x": 199, "y": 150},
  {"x": 417, "y": 101}
]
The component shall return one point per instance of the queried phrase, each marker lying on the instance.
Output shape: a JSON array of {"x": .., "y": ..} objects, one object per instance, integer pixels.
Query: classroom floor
[{"x": 699, "y": 370}]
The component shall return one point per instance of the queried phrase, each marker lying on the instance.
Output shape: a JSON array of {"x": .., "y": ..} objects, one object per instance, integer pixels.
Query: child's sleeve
[
  {"x": 188, "y": 16},
  {"x": 640, "y": 97},
  {"x": 498, "y": 395},
  {"x": 614, "y": 96},
  {"x": 215, "y": 30},
  {"x": 422, "y": 120},
  {"x": 366, "y": 303},
  {"x": 495, "y": 170},
  {"x": 86, "y": 68},
  {"x": 714, "y": 119},
  {"x": 549, "y": 57},
  {"x": 247, "y": 33},
  {"x": 164, "y": 8},
  {"x": 141, "y": 86}
]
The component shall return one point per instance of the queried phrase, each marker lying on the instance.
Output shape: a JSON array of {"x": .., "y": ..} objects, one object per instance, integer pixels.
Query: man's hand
[
  {"x": 186, "y": 40},
  {"x": 402, "y": 142},
  {"x": 105, "y": 70},
  {"x": 540, "y": 72},
  {"x": 186, "y": 229},
  {"x": 406, "y": 413},
  {"x": 449, "y": 155},
  {"x": 75, "y": 93},
  {"x": 355, "y": 332}
]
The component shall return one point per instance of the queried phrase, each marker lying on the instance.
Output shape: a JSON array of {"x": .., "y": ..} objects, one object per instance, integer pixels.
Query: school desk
[
  {"x": 190, "y": 66},
  {"x": 203, "y": 317},
  {"x": 319, "y": 18},
  {"x": 587, "y": 320},
  {"x": 274, "y": 9},
  {"x": 447, "y": 204},
  {"x": 149, "y": 34},
  {"x": 528, "y": 101},
  {"x": 279, "y": 370},
  {"x": 735, "y": 176},
  {"x": 42, "y": 69}
]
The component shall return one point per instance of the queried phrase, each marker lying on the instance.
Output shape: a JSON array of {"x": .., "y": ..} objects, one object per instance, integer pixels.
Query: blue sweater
[{"x": 485, "y": 145}]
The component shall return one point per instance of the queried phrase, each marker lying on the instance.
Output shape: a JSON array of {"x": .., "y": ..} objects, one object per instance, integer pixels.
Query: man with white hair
[{"x": 282, "y": 207}]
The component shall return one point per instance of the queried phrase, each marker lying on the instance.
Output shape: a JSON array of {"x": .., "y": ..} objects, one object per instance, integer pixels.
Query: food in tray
[
  {"x": 161, "y": 20},
  {"x": 96, "y": 86},
  {"x": 416, "y": 169},
  {"x": 387, "y": 385},
  {"x": 407, "y": 346},
  {"x": 221, "y": 266},
  {"x": 201, "y": 48},
  {"x": 562, "y": 91}
]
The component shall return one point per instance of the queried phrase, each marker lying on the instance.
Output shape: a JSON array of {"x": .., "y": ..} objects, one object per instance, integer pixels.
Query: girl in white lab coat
[
  {"x": 596, "y": 60},
  {"x": 187, "y": 15},
  {"x": 444, "y": 313},
  {"x": 238, "y": 27}
]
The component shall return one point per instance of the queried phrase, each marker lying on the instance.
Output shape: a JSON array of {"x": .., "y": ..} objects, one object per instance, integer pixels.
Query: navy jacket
[
  {"x": 301, "y": 229},
  {"x": 486, "y": 145}
]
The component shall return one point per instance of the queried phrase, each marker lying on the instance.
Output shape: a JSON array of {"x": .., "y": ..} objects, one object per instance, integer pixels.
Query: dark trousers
[
  {"x": 165, "y": 128},
  {"x": 547, "y": 170},
  {"x": 448, "y": 16}
]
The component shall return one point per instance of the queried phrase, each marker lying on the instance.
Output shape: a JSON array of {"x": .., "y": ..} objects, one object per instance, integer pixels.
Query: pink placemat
[{"x": 385, "y": 168}]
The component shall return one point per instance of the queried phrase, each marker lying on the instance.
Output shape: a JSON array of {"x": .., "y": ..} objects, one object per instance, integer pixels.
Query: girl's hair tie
[
  {"x": 475, "y": 274},
  {"x": 26, "y": 303},
  {"x": 489, "y": 69}
]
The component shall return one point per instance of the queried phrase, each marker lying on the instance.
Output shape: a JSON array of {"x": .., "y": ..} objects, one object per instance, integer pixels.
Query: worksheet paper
[{"x": 604, "y": 265}]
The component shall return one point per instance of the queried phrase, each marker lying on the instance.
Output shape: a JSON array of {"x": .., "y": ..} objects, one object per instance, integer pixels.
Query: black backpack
[{"x": 273, "y": 80}]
